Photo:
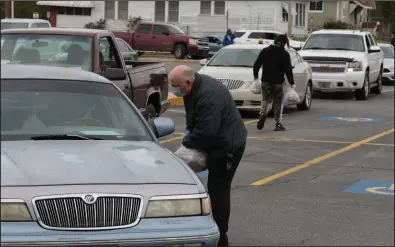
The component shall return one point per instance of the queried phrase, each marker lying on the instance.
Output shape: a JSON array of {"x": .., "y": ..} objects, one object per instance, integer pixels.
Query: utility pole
[
  {"x": 290, "y": 17},
  {"x": 7, "y": 9},
  {"x": 12, "y": 9}
]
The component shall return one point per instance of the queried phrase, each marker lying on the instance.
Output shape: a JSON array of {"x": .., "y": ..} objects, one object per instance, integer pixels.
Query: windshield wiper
[
  {"x": 239, "y": 65},
  {"x": 218, "y": 65},
  {"x": 315, "y": 48},
  {"x": 342, "y": 49},
  {"x": 64, "y": 137}
]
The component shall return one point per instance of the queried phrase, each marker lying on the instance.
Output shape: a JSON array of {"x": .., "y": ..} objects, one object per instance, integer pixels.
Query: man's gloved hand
[{"x": 187, "y": 131}]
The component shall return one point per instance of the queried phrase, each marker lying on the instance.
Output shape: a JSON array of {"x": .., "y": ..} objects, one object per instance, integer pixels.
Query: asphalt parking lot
[{"x": 327, "y": 180}]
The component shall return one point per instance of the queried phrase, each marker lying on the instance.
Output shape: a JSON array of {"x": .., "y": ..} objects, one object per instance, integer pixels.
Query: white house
[{"x": 196, "y": 17}]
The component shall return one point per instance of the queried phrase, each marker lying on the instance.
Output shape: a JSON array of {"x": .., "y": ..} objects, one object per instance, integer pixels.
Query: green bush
[
  {"x": 100, "y": 24},
  {"x": 337, "y": 25}
]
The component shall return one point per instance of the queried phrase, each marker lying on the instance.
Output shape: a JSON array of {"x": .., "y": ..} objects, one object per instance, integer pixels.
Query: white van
[{"x": 24, "y": 23}]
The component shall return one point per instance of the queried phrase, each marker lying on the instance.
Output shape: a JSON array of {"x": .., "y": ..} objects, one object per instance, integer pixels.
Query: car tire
[
  {"x": 363, "y": 93},
  {"x": 306, "y": 103},
  {"x": 150, "y": 112},
  {"x": 379, "y": 88},
  {"x": 180, "y": 51}
]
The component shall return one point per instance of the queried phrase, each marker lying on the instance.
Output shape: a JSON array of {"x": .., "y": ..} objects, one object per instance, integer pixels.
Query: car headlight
[
  {"x": 192, "y": 41},
  {"x": 354, "y": 66},
  {"x": 178, "y": 207},
  {"x": 11, "y": 211}
]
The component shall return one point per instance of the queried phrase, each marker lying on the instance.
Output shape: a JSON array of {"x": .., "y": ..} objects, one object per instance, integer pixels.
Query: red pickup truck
[{"x": 165, "y": 37}]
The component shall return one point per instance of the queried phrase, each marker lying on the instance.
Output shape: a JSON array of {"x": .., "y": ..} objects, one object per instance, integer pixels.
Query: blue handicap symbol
[
  {"x": 372, "y": 187},
  {"x": 350, "y": 119}
]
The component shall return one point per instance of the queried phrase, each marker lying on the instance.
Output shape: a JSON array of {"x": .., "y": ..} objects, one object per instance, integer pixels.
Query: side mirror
[
  {"x": 203, "y": 62},
  {"x": 297, "y": 48},
  {"x": 114, "y": 74},
  {"x": 374, "y": 48},
  {"x": 162, "y": 126}
]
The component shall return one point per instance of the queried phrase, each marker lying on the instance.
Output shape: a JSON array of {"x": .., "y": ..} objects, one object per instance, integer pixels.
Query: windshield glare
[
  {"x": 175, "y": 29},
  {"x": 335, "y": 42},
  {"x": 50, "y": 50},
  {"x": 235, "y": 58},
  {"x": 388, "y": 51},
  {"x": 36, "y": 107},
  {"x": 11, "y": 25}
]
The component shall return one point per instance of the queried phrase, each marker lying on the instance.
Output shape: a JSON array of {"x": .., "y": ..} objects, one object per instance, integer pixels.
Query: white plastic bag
[
  {"x": 256, "y": 87},
  {"x": 290, "y": 95},
  {"x": 196, "y": 159}
]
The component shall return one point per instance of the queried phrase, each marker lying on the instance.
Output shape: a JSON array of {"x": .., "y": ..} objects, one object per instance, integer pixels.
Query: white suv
[{"x": 344, "y": 60}]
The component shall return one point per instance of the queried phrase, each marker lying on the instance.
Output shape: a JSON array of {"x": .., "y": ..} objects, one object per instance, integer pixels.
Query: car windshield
[
  {"x": 235, "y": 58},
  {"x": 51, "y": 50},
  {"x": 35, "y": 107},
  {"x": 11, "y": 25},
  {"x": 388, "y": 51},
  {"x": 175, "y": 29},
  {"x": 344, "y": 42}
]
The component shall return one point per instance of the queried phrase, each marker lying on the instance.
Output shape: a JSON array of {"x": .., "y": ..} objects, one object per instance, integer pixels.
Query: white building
[{"x": 196, "y": 17}]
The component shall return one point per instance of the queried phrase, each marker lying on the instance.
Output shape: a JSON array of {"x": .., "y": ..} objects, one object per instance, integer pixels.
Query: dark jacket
[
  {"x": 393, "y": 41},
  {"x": 214, "y": 121},
  {"x": 275, "y": 61}
]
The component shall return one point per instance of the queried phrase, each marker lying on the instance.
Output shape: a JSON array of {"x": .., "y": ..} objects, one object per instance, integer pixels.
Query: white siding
[{"x": 76, "y": 21}]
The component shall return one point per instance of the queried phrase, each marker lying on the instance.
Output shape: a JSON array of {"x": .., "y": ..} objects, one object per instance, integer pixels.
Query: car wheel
[
  {"x": 151, "y": 112},
  {"x": 179, "y": 51},
  {"x": 306, "y": 103},
  {"x": 363, "y": 93},
  {"x": 379, "y": 88}
]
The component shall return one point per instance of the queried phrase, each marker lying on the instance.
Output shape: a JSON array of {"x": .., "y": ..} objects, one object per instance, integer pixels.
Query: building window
[
  {"x": 173, "y": 11},
  {"x": 74, "y": 11},
  {"x": 160, "y": 10},
  {"x": 284, "y": 15},
  {"x": 315, "y": 6},
  {"x": 123, "y": 10},
  {"x": 300, "y": 15},
  {"x": 109, "y": 7},
  {"x": 205, "y": 8},
  {"x": 219, "y": 7}
]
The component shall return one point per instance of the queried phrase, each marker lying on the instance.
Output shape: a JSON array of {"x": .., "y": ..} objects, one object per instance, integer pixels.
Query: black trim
[{"x": 346, "y": 59}]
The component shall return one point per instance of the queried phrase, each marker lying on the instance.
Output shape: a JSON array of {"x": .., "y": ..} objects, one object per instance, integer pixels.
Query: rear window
[
  {"x": 144, "y": 28},
  {"x": 238, "y": 34},
  {"x": 11, "y": 25},
  {"x": 50, "y": 50}
]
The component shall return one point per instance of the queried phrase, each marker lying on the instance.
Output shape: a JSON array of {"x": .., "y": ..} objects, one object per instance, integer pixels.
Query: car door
[
  {"x": 161, "y": 39},
  {"x": 298, "y": 72},
  {"x": 376, "y": 60},
  {"x": 143, "y": 37},
  {"x": 370, "y": 57},
  {"x": 123, "y": 48}
]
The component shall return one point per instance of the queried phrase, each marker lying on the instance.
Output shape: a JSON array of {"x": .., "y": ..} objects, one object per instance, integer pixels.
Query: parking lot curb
[
  {"x": 162, "y": 59},
  {"x": 175, "y": 100}
]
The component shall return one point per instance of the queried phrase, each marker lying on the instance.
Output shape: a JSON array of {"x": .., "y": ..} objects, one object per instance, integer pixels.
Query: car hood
[
  {"x": 69, "y": 162},
  {"x": 237, "y": 73},
  {"x": 331, "y": 53},
  {"x": 388, "y": 62}
]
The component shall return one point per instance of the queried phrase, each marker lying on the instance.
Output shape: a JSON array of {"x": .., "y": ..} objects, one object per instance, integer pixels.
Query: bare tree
[{"x": 132, "y": 23}]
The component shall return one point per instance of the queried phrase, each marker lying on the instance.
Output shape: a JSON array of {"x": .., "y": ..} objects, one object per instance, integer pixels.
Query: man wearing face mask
[{"x": 215, "y": 126}]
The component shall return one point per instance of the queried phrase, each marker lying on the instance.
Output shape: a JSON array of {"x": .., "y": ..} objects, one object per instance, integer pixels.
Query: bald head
[{"x": 182, "y": 77}]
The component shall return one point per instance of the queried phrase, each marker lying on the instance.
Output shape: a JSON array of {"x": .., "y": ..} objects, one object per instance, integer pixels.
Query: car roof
[
  {"x": 249, "y": 30},
  {"x": 343, "y": 31},
  {"x": 13, "y": 71},
  {"x": 21, "y": 20},
  {"x": 55, "y": 30},
  {"x": 249, "y": 46}
]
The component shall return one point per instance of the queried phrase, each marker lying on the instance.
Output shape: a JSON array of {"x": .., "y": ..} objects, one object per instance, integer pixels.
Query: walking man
[
  {"x": 215, "y": 126},
  {"x": 275, "y": 62},
  {"x": 228, "y": 38}
]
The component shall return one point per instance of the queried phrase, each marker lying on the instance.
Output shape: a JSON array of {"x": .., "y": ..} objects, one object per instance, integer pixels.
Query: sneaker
[
  {"x": 279, "y": 127},
  {"x": 261, "y": 122}
]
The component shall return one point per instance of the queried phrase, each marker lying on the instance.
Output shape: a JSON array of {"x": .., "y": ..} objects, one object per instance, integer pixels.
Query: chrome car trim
[
  {"x": 179, "y": 197},
  {"x": 10, "y": 200},
  {"x": 82, "y": 196},
  {"x": 150, "y": 240}
]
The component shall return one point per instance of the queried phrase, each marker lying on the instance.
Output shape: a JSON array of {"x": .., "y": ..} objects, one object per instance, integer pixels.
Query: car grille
[
  {"x": 325, "y": 62},
  {"x": 73, "y": 213},
  {"x": 327, "y": 69},
  {"x": 231, "y": 84}
]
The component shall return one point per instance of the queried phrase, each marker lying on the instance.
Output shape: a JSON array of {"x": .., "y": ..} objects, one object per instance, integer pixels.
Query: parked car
[
  {"x": 11, "y": 23},
  {"x": 127, "y": 52},
  {"x": 81, "y": 167},
  {"x": 232, "y": 66},
  {"x": 252, "y": 37},
  {"x": 164, "y": 37},
  {"x": 91, "y": 50},
  {"x": 344, "y": 61},
  {"x": 214, "y": 43},
  {"x": 388, "y": 71}
]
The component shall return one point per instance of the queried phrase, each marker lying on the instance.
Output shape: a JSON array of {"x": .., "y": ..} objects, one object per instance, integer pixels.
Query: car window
[
  {"x": 160, "y": 30},
  {"x": 238, "y": 34},
  {"x": 270, "y": 36},
  {"x": 34, "y": 107},
  {"x": 368, "y": 44},
  {"x": 49, "y": 50},
  {"x": 122, "y": 46},
  {"x": 235, "y": 58},
  {"x": 11, "y": 25},
  {"x": 43, "y": 25},
  {"x": 34, "y": 25},
  {"x": 388, "y": 51},
  {"x": 347, "y": 42},
  {"x": 371, "y": 39},
  {"x": 256, "y": 35},
  {"x": 109, "y": 53},
  {"x": 144, "y": 28}
]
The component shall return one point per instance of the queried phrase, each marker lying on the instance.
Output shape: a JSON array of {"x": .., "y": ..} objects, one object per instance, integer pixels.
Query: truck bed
[{"x": 141, "y": 66}]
